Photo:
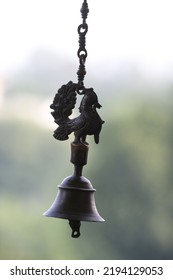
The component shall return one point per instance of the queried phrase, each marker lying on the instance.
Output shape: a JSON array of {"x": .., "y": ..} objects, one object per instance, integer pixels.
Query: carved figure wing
[
  {"x": 74, "y": 125},
  {"x": 64, "y": 102}
]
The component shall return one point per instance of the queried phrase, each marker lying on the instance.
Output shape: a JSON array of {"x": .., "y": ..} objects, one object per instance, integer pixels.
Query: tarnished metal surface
[
  {"x": 87, "y": 123},
  {"x": 75, "y": 198}
]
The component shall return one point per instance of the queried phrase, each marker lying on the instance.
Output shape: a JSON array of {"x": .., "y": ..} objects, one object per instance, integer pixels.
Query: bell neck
[
  {"x": 79, "y": 154},
  {"x": 78, "y": 170}
]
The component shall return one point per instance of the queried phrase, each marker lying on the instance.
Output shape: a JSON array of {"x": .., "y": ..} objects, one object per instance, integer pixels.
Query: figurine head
[{"x": 90, "y": 99}]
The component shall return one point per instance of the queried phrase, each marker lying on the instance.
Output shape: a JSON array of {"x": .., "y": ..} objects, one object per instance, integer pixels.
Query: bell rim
[{"x": 76, "y": 217}]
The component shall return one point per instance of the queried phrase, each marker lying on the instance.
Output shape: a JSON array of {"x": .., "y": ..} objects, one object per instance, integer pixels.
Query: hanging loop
[
  {"x": 83, "y": 29},
  {"x": 82, "y": 54}
]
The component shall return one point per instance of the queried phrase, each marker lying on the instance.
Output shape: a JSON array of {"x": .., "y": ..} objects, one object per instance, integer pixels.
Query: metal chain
[{"x": 82, "y": 52}]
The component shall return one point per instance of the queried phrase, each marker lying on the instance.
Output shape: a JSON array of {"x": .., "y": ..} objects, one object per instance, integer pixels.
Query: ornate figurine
[{"x": 87, "y": 123}]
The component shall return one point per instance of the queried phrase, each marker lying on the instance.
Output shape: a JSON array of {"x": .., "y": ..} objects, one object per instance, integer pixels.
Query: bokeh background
[{"x": 129, "y": 65}]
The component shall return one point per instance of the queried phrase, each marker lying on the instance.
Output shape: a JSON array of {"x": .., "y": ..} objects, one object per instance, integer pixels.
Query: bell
[
  {"x": 75, "y": 199},
  {"x": 75, "y": 202}
]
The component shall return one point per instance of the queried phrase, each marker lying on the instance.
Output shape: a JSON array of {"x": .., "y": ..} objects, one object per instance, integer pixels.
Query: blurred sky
[{"x": 120, "y": 31}]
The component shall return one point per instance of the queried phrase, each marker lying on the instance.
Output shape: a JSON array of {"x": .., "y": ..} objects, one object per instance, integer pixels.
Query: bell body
[{"x": 75, "y": 201}]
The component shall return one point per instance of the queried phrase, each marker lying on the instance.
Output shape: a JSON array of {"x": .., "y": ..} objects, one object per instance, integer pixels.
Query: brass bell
[{"x": 75, "y": 199}]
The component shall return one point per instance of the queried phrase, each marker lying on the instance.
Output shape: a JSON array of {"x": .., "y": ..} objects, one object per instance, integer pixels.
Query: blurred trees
[{"x": 131, "y": 169}]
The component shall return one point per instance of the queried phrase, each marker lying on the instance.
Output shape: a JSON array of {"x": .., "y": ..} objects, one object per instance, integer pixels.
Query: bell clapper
[{"x": 75, "y": 226}]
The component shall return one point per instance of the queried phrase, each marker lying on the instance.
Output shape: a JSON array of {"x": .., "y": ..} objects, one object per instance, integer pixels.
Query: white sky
[{"x": 135, "y": 31}]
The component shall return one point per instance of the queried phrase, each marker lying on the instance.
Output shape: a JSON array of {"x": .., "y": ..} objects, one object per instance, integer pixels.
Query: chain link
[{"x": 82, "y": 52}]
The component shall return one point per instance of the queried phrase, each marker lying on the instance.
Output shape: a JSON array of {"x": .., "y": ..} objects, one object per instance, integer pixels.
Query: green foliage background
[{"x": 131, "y": 169}]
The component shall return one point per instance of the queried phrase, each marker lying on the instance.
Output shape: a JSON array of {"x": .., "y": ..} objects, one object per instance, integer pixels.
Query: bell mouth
[{"x": 83, "y": 217}]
